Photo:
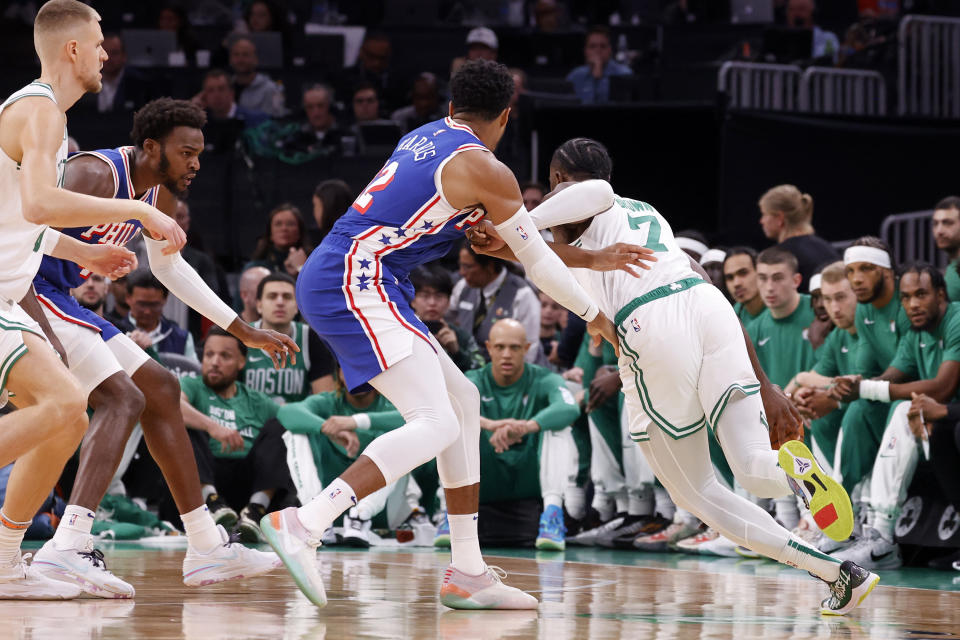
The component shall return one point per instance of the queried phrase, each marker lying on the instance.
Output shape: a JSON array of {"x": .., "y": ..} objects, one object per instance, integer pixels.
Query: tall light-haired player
[
  {"x": 684, "y": 362},
  {"x": 51, "y": 419}
]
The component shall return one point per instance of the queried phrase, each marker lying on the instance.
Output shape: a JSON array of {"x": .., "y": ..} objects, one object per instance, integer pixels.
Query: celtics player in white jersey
[
  {"x": 51, "y": 418},
  {"x": 684, "y": 362}
]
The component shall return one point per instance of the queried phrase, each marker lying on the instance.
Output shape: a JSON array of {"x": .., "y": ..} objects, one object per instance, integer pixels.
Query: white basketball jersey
[
  {"x": 21, "y": 241},
  {"x": 638, "y": 223}
]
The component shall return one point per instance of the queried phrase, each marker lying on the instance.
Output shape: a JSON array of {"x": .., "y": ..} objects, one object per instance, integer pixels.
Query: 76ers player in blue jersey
[
  {"x": 124, "y": 384},
  {"x": 354, "y": 292}
]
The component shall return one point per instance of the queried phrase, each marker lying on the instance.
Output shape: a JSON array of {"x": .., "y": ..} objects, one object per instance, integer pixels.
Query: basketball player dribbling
[
  {"x": 684, "y": 362},
  {"x": 51, "y": 420},
  {"x": 354, "y": 292},
  {"x": 126, "y": 385}
]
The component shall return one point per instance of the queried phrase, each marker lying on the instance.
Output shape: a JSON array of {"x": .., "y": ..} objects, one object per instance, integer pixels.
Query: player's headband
[
  {"x": 872, "y": 255},
  {"x": 692, "y": 245},
  {"x": 814, "y": 282},
  {"x": 712, "y": 255}
]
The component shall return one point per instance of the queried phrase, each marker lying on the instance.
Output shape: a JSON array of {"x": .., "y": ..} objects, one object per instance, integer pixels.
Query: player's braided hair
[
  {"x": 583, "y": 158},
  {"x": 481, "y": 87},
  {"x": 920, "y": 268},
  {"x": 156, "y": 119}
]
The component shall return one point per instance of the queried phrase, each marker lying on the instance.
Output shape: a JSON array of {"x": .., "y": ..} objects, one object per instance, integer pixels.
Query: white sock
[
  {"x": 552, "y": 500},
  {"x": 622, "y": 502},
  {"x": 202, "y": 532},
  {"x": 11, "y": 536},
  {"x": 800, "y": 554},
  {"x": 207, "y": 490},
  {"x": 465, "y": 544},
  {"x": 261, "y": 498},
  {"x": 884, "y": 524},
  {"x": 787, "y": 512},
  {"x": 74, "y": 528},
  {"x": 604, "y": 506},
  {"x": 641, "y": 503},
  {"x": 664, "y": 505},
  {"x": 318, "y": 514},
  {"x": 575, "y": 499}
]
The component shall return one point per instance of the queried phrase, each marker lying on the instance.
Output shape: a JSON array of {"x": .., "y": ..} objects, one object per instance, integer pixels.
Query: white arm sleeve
[
  {"x": 51, "y": 237},
  {"x": 185, "y": 283},
  {"x": 543, "y": 266},
  {"x": 575, "y": 203}
]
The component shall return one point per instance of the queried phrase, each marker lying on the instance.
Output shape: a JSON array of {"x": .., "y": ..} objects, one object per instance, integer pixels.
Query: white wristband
[
  {"x": 362, "y": 420},
  {"x": 878, "y": 390}
]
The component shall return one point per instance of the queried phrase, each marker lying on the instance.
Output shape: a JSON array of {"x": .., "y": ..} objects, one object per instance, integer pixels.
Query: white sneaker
[
  {"x": 356, "y": 532},
  {"x": 20, "y": 581},
  {"x": 693, "y": 543},
  {"x": 486, "y": 591},
  {"x": 84, "y": 567},
  {"x": 228, "y": 561},
  {"x": 297, "y": 547},
  {"x": 872, "y": 551},
  {"x": 719, "y": 546}
]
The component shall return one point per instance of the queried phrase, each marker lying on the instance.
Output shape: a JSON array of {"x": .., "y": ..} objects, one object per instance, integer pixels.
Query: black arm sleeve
[{"x": 322, "y": 362}]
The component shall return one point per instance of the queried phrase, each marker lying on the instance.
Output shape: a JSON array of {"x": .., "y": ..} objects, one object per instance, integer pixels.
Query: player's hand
[
  {"x": 783, "y": 418},
  {"x": 573, "y": 374},
  {"x": 846, "y": 388},
  {"x": 162, "y": 227},
  {"x": 336, "y": 424},
  {"x": 600, "y": 328},
  {"x": 348, "y": 440},
  {"x": 605, "y": 385},
  {"x": 278, "y": 346},
  {"x": 623, "y": 257},
  {"x": 108, "y": 260},
  {"x": 814, "y": 403},
  {"x": 922, "y": 404},
  {"x": 229, "y": 439},
  {"x": 484, "y": 238}
]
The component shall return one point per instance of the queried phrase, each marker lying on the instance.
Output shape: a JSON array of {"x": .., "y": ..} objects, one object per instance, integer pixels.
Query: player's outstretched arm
[
  {"x": 185, "y": 283},
  {"x": 40, "y": 125},
  {"x": 477, "y": 178}
]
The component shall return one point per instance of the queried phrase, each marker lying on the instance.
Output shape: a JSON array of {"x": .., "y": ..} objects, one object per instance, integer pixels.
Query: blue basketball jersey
[
  {"x": 63, "y": 274},
  {"x": 402, "y": 217}
]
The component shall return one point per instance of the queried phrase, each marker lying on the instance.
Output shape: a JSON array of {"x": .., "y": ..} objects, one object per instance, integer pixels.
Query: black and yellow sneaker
[
  {"x": 850, "y": 589},
  {"x": 825, "y": 497},
  {"x": 221, "y": 512}
]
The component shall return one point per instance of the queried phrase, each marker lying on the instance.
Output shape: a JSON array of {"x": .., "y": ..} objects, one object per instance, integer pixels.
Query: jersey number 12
[{"x": 379, "y": 183}]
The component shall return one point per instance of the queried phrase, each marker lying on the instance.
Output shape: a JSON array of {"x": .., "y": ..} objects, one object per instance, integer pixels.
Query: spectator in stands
[
  {"x": 92, "y": 293},
  {"x": 693, "y": 243},
  {"x": 366, "y": 103},
  {"x": 553, "y": 319},
  {"x": 255, "y": 91},
  {"x": 150, "y": 329},
  {"x": 425, "y": 106},
  {"x": 482, "y": 44},
  {"x": 238, "y": 445},
  {"x": 319, "y": 134},
  {"x": 224, "y": 116},
  {"x": 313, "y": 370},
  {"x": 740, "y": 275},
  {"x": 514, "y": 147},
  {"x": 283, "y": 245},
  {"x": 786, "y": 216},
  {"x": 525, "y": 415},
  {"x": 800, "y": 16},
  {"x": 946, "y": 233},
  {"x": 549, "y": 16},
  {"x": 249, "y": 282},
  {"x": 117, "y": 308},
  {"x": 927, "y": 362},
  {"x": 487, "y": 292},
  {"x": 331, "y": 199},
  {"x": 779, "y": 335},
  {"x": 373, "y": 66},
  {"x": 432, "y": 288},
  {"x": 591, "y": 82},
  {"x": 712, "y": 263},
  {"x": 124, "y": 89},
  {"x": 173, "y": 17},
  {"x": 533, "y": 193}
]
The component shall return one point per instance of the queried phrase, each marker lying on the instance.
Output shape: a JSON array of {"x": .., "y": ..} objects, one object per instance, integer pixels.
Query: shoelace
[
  {"x": 95, "y": 556},
  {"x": 496, "y": 573}
]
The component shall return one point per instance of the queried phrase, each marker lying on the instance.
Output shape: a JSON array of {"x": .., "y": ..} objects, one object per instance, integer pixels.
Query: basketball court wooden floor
[{"x": 588, "y": 594}]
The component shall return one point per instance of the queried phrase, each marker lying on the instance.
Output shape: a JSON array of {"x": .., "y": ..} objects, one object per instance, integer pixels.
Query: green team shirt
[
  {"x": 292, "y": 383},
  {"x": 606, "y": 417},
  {"x": 307, "y": 417},
  {"x": 953, "y": 281},
  {"x": 921, "y": 353},
  {"x": 539, "y": 395},
  {"x": 744, "y": 314},
  {"x": 838, "y": 355},
  {"x": 880, "y": 331},
  {"x": 245, "y": 412},
  {"x": 782, "y": 345}
]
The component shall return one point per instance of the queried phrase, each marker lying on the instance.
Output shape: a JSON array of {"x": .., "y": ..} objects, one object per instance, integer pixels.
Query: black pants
[
  {"x": 945, "y": 457},
  {"x": 236, "y": 479},
  {"x": 511, "y": 523}
]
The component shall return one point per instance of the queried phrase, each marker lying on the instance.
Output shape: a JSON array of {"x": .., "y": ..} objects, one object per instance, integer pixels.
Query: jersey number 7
[{"x": 379, "y": 183}]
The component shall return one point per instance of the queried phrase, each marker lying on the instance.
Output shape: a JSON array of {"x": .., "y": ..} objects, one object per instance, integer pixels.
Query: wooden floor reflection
[{"x": 393, "y": 595}]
